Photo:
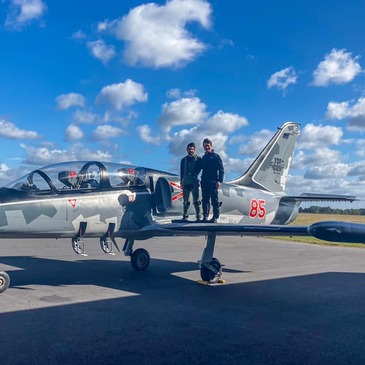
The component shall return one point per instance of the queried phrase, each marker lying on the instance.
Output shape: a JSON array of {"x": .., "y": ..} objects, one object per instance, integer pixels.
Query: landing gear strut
[
  {"x": 4, "y": 281},
  {"x": 210, "y": 267},
  {"x": 140, "y": 258}
]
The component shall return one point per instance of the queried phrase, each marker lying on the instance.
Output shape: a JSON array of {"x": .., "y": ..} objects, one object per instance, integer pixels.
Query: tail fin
[{"x": 270, "y": 169}]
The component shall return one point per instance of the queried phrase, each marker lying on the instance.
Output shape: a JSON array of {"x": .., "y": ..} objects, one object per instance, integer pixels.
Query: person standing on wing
[
  {"x": 190, "y": 167},
  {"x": 212, "y": 177}
]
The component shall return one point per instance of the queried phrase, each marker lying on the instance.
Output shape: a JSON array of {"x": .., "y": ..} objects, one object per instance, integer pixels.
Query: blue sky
[{"x": 135, "y": 81}]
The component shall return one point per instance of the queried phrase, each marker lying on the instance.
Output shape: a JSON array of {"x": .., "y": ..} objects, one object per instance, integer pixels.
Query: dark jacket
[
  {"x": 190, "y": 167},
  {"x": 212, "y": 167}
]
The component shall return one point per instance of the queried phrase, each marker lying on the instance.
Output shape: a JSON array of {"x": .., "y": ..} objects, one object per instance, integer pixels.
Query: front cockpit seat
[{"x": 69, "y": 178}]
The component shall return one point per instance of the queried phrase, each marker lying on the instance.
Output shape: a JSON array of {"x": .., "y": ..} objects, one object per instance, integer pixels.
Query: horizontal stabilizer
[{"x": 321, "y": 197}]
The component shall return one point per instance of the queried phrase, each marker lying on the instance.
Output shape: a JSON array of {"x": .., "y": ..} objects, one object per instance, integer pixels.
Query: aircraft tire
[
  {"x": 210, "y": 276},
  {"x": 4, "y": 281},
  {"x": 140, "y": 259}
]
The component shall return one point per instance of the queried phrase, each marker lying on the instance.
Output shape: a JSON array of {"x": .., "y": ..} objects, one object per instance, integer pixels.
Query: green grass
[{"x": 306, "y": 219}]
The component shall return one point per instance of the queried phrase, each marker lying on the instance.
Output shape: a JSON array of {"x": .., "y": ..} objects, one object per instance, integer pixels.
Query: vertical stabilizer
[{"x": 270, "y": 169}]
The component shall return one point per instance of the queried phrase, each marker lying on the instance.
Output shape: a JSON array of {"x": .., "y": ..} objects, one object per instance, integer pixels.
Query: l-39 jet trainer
[{"x": 78, "y": 200}]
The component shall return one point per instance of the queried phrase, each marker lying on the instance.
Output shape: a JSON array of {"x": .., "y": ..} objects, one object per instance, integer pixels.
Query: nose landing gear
[{"x": 4, "y": 281}]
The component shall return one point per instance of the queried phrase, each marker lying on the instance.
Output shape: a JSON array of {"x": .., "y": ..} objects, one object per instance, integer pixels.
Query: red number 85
[{"x": 257, "y": 208}]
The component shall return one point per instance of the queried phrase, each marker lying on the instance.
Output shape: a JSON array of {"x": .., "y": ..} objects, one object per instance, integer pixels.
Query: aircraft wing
[
  {"x": 334, "y": 231},
  {"x": 226, "y": 229},
  {"x": 321, "y": 197}
]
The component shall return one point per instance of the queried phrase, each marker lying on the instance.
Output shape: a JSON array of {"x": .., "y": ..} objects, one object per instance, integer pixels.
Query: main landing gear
[
  {"x": 210, "y": 267},
  {"x": 140, "y": 258}
]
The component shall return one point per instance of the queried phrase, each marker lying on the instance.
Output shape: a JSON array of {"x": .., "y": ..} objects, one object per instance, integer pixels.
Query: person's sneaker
[
  {"x": 204, "y": 220},
  {"x": 213, "y": 220}
]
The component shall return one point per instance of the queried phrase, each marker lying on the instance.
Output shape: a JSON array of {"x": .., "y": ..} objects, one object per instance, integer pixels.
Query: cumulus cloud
[
  {"x": 192, "y": 112},
  {"x": 354, "y": 111},
  {"x": 44, "y": 155},
  {"x": 156, "y": 36},
  {"x": 106, "y": 131},
  {"x": 253, "y": 145},
  {"x": 84, "y": 117},
  {"x": 123, "y": 94},
  {"x": 332, "y": 171},
  {"x": 315, "y": 136},
  {"x": 185, "y": 111},
  {"x": 338, "y": 67},
  {"x": 282, "y": 79},
  {"x": 24, "y": 12},
  {"x": 73, "y": 133},
  {"x": 145, "y": 132},
  {"x": 10, "y": 131},
  {"x": 101, "y": 51},
  {"x": 66, "y": 101}
]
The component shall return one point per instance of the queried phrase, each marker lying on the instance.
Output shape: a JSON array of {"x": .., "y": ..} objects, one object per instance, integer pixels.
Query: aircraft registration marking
[
  {"x": 257, "y": 208},
  {"x": 180, "y": 194}
]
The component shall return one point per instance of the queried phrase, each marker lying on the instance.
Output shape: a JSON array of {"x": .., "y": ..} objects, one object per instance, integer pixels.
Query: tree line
[{"x": 327, "y": 210}]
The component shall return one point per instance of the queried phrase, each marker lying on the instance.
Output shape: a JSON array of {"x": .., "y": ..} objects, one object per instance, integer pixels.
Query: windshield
[{"x": 80, "y": 175}]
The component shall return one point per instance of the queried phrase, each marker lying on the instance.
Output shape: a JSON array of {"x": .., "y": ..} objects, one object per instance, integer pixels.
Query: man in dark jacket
[
  {"x": 190, "y": 167},
  {"x": 212, "y": 177}
]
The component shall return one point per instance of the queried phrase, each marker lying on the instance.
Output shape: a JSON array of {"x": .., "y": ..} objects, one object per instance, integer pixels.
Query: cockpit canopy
[{"x": 80, "y": 175}]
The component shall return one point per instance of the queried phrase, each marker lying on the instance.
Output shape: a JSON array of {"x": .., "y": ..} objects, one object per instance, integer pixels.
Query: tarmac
[{"x": 282, "y": 303}]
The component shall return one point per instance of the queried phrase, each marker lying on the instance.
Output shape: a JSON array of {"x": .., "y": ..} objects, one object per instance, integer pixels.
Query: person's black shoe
[
  {"x": 204, "y": 220},
  {"x": 213, "y": 220}
]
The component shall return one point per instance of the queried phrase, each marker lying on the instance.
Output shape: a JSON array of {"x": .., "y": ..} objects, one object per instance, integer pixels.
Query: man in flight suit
[
  {"x": 212, "y": 177},
  {"x": 190, "y": 167}
]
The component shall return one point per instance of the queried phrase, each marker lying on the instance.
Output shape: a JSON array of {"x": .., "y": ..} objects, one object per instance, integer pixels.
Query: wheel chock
[{"x": 203, "y": 282}]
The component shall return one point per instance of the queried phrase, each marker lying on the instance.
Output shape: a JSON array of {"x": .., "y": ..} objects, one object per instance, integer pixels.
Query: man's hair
[
  {"x": 207, "y": 140},
  {"x": 191, "y": 144}
]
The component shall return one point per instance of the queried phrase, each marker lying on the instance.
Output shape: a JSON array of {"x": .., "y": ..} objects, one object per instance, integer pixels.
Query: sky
[{"x": 136, "y": 81}]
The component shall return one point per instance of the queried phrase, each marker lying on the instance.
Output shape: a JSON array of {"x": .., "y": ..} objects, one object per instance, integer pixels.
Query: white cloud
[
  {"x": 73, "y": 133},
  {"x": 320, "y": 156},
  {"x": 45, "y": 156},
  {"x": 192, "y": 112},
  {"x": 331, "y": 171},
  {"x": 101, "y": 51},
  {"x": 84, "y": 117},
  {"x": 356, "y": 113},
  {"x": 253, "y": 145},
  {"x": 145, "y": 135},
  {"x": 78, "y": 35},
  {"x": 185, "y": 111},
  {"x": 338, "y": 67},
  {"x": 315, "y": 136},
  {"x": 283, "y": 79},
  {"x": 66, "y": 101},
  {"x": 23, "y": 12},
  {"x": 10, "y": 131},
  {"x": 106, "y": 131},
  {"x": 123, "y": 94},
  {"x": 156, "y": 36}
]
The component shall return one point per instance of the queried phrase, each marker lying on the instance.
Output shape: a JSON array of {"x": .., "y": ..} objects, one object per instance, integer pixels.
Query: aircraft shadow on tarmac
[
  {"x": 111, "y": 274},
  {"x": 316, "y": 319}
]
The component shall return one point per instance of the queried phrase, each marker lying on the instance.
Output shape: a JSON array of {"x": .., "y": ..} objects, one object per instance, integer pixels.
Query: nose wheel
[{"x": 4, "y": 281}]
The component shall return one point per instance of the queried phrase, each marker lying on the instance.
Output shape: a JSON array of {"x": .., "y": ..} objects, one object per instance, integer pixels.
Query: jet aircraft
[{"x": 80, "y": 199}]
